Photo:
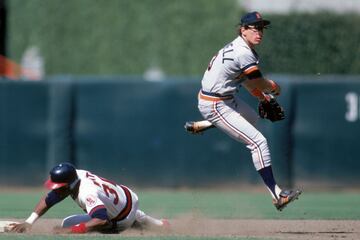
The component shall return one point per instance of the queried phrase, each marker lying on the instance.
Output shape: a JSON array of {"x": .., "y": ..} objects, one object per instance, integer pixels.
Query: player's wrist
[
  {"x": 32, "y": 218},
  {"x": 275, "y": 88},
  {"x": 258, "y": 94}
]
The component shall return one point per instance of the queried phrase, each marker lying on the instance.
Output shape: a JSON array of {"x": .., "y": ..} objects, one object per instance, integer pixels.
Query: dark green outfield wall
[
  {"x": 132, "y": 131},
  {"x": 23, "y": 132},
  {"x": 326, "y": 130}
]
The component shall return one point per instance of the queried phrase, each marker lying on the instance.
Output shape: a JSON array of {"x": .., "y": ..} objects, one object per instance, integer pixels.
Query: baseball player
[
  {"x": 109, "y": 207},
  {"x": 237, "y": 65}
]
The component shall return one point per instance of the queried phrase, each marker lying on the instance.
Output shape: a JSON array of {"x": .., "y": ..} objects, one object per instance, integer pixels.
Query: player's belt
[
  {"x": 128, "y": 206},
  {"x": 209, "y": 96}
]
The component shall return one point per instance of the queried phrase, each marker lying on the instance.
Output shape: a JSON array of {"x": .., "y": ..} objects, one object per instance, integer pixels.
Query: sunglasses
[{"x": 256, "y": 28}]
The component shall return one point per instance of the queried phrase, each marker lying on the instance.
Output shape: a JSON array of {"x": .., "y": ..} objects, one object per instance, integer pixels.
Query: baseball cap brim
[
  {"x": 266, "y": 22},
  {"x": 261, "y": 21},
  {"x": 53, "y": 185}
]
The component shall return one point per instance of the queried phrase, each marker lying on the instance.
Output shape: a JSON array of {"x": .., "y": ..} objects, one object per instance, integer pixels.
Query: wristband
[
  {"x": 33, "y": 217},
  {"x": 79, "y": 228}
]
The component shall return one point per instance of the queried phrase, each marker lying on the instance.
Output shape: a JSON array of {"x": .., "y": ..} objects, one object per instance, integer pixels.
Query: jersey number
[
  {"x": 228, "y": 48},
  {"x": 107, "y": 189}
]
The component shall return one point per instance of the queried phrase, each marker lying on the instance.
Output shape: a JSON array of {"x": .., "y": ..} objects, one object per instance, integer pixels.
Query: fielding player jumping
[
  {"x": 233, "y": 66},
  {"x": 109, "y": 207}
]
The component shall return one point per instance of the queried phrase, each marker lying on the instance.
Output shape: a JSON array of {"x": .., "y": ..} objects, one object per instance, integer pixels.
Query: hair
[{"x": 238, "y": 29}]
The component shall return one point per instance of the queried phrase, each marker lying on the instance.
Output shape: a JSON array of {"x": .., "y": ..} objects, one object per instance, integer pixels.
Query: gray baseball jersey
[
  {"x": 227, "y": 68},
  {"x": 219, "y": 104}
]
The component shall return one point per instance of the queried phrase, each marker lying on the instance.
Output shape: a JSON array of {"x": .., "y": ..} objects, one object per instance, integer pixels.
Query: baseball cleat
[
  {"x": 191, "y": 127},
  {"x": 197, "y": 127},
  {"x": 286, "y": 197}
]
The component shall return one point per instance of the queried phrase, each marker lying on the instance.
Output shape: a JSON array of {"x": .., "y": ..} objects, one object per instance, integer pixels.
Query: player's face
[{"x": 253, "y": 34}]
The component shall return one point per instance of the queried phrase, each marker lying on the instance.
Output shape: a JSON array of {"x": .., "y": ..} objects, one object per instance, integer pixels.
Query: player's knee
[
  {"x": 260, "y": 141},
  {"x": 263, "y": 142},
  {"x": 139, "y": 215}
]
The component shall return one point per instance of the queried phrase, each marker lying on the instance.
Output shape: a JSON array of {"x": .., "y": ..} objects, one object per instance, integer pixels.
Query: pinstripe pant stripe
[{"x": 246, "y": 138}]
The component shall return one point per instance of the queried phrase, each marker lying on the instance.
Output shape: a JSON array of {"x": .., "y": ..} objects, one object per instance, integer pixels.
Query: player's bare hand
[
  {"x": 61, "y": 230},
  {"x": 19, "y": 227}
]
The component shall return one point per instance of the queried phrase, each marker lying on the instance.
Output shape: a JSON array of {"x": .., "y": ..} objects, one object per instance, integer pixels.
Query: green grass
[
  {"x": 213, "y": 204},
  {"x": 245, "y": 205}
]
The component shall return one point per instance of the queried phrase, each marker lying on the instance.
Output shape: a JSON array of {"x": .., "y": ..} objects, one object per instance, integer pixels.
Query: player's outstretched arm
[{"x": 39, "y": 210}]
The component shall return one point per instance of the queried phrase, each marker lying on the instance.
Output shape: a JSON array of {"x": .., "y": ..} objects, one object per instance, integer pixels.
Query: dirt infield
[{"x": 275, "y": 229}]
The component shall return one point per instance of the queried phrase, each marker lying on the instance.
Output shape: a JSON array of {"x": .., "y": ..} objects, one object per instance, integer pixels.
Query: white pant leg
[
  {"x": 228, "y": 116},
  {"x": 130, "y": 219},
  {"x": 75, "y": 219},
  {"x": 146, "y": 220},
  {"x": 245, "y": 110}
]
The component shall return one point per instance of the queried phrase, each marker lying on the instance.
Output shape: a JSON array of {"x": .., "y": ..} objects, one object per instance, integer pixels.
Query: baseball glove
[{"x": 271, "y": 109}]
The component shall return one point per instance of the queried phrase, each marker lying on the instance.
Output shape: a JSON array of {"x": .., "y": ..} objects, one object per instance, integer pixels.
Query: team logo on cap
[{"x": 258, "y": 16}]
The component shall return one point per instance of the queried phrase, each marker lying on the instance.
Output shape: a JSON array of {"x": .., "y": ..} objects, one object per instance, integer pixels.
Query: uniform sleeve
[
  {"x": 92, "y": 203},
  {"x": 53, "y": 198},
  {"x": 249, "y": 65},
  {"x": 99, "y": 212}
]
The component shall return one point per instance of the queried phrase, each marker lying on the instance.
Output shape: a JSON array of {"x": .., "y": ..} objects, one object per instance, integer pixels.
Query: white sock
[{"x": 277, "y": 192}]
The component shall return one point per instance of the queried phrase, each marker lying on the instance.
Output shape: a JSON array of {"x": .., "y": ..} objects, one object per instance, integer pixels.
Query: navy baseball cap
[{"x": 253, "y": 18}]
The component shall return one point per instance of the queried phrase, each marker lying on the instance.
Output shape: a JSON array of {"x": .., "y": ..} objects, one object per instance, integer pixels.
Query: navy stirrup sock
[{"x": 268, "y": 177}]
